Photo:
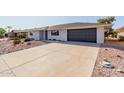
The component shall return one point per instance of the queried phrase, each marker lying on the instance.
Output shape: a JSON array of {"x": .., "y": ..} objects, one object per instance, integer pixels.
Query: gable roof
[
  {"x": 32, "y": 29},
  {"x": 66, "y": 26},
  {"x": 76, "y": 25}
]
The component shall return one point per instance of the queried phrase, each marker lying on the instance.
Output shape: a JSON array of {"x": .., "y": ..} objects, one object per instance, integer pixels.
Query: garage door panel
[{"x": 85, "y": 35}]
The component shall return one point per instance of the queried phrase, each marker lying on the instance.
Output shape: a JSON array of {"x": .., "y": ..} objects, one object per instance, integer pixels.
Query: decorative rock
[
  {"x": 119, "y": 56},
  {"x": 120, "y": 70},
  {"x": 106, "y": 49},
  {"x": 115, "y": 51},
  {"x": 106, "y": 64}
]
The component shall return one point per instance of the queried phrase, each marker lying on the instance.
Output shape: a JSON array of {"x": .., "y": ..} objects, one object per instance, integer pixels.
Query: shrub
[
  {"x": 21, "y": 35},
  {"x": 16, "y": 41},
  {"x": 121, "y": 38},
  {"x": 2, "y": 32},
  {"x": 28, "y": 39},
  {"x": 114, "y": 34},
  {"x": 29, "y": 43}
]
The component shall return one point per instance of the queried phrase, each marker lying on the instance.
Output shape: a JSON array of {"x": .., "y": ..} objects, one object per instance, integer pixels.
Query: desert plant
[
  {"x": 16, "y": 41},
  {"x": 21, "y": 35},
  {"x": 28, "y": 39},
  {"x": 114, "y": 34},
  {"x": 106, "y": 34},
  {"x": 121, "y": 38},
  {"x": 28, "y": 43}
]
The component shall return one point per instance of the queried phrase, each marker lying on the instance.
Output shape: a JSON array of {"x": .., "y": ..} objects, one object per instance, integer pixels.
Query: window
[
  {"x": 31, "y": 34},
  {"x": 55, "y": 32}
]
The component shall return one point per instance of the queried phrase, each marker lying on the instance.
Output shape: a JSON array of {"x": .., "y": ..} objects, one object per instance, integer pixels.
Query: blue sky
[{"x": 22, "y": 22}]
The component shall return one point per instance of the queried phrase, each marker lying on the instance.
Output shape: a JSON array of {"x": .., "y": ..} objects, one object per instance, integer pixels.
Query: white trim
[{"x": 100, "y": 35}]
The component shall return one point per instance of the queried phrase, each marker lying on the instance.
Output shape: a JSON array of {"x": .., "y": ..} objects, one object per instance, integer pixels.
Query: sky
[{"x": 25, "y": 22}]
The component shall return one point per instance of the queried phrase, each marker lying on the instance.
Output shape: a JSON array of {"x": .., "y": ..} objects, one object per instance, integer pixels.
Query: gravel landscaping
[
  {"x": 112, "y": 51},
  {"x": 8, "y": 47}
]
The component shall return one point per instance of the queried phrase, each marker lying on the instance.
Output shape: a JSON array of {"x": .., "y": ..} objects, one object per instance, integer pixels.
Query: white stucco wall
[
  {"x": 62, "y": 35},
  {"x": 35, "y": 35},
  {"x": 100, "y": 35}
]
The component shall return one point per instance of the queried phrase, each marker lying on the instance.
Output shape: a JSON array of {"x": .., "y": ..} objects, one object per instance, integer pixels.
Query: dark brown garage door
[{"x": 84, "y": 35}]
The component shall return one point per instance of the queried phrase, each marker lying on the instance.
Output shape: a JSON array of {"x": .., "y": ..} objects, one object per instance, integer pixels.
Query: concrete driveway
[{"x": 53, "y": 59}]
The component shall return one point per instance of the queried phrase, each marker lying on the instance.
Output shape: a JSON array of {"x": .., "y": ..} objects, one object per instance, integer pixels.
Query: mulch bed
[
  {"x": 8, "y": 47},
  {"x": 113, "y": 51}
]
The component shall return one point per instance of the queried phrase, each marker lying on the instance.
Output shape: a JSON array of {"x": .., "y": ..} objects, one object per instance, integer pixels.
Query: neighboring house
[
  {"x": 120, "y": 32},
  {"x": 84, "y": 32}
]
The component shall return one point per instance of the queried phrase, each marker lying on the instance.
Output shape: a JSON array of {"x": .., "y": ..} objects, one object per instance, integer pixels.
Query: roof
[
  {"x": 77, "y": 25},
  {"x": 30, "y": 30},
  {"x": 120, "y": 29},
  {"x": 67, "y": 26}
]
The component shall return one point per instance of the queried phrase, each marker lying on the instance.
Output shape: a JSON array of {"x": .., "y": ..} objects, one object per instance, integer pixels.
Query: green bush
[
  {"x": 16, "y": 41},
  {"x": 121, "y": 38},
  {"x": 2, "y": 32},
  {"x": 28, "y": 39}
]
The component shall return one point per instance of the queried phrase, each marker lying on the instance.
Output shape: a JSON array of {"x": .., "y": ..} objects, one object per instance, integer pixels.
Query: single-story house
[
  {"x": 84, "y": 32},
  {"x": 120, "y": 32}
]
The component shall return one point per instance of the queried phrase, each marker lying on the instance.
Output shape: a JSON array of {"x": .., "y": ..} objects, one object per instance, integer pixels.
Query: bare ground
[
  {"x": 113, "y": 51},
  {"x": 8, "y": 47}
]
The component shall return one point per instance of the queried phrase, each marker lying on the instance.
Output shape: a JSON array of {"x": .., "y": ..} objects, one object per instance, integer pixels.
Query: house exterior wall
[
  {"x": 100, "y": 35},
  {"x": 62, "y": 35},
  {"x": 36, "y": 35}
]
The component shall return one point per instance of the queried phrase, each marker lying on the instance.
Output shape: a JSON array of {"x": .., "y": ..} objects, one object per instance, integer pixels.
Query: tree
[
  {"x": 2, "y": 32},
  {"x": 107, "y": 20}
]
